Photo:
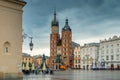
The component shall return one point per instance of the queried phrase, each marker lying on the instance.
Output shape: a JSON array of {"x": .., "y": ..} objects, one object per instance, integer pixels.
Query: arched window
[{"x": 6, "y": 47}]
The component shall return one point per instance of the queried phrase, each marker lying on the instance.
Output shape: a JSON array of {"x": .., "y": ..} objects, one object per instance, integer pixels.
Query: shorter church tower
[{"x": 66, "y": 44}]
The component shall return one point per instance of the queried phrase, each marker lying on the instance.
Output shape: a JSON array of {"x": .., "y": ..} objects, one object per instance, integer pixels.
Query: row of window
[
  {"x": 87, "y": 62},
  {"x": 88, "y": 49},
  {"x": 112, "y": 57},
  {"x": 64, "y": 53},
  {"x": 111, "y": 45},
  {"x": 86, "y": 58},
  {"x": 53, "y": 41},
  {"x": 66, "y": 41},
  {"x": 76, "y": 61},
  {"x": 66, "y": 36},
  {"x": 111, "y": 51},
  {"x": 77, "y": 66},
  {"x": 77, "y": 56},
  {"x": 65, "y": 45},
  {"x": 77, "y": 52}
]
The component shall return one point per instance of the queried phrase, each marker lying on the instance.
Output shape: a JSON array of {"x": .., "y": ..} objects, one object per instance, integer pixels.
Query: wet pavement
[{"x": 77, "y": 75}]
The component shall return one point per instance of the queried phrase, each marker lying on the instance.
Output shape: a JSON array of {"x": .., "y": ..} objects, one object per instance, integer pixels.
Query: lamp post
[{"x": 24, "y": 36}]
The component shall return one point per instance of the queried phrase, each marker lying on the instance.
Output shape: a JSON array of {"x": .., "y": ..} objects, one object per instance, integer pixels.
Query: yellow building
[
  {"x": 27, "y": 62},
  {"x": 27, "y": 59},
  {"x": 11, "y": 38},
  {"x": 36, "y": 60}
]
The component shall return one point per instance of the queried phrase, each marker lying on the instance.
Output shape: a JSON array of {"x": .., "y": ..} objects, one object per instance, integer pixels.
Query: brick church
[{"x": 60, "y": 46}]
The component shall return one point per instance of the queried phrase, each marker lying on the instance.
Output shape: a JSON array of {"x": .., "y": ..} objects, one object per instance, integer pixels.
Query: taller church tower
[{"x": 54, "y": 38}]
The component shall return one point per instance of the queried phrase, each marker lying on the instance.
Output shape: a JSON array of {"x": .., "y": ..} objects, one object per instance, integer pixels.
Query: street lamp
[
  {"x": 31, "y": 44},
  {"x": 24, "y": 36}
]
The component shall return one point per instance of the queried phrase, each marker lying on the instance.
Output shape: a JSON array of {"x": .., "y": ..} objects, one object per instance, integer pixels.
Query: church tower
[
  {"x": 54, "y": 38},
  {"x": 66, "y": 44}
]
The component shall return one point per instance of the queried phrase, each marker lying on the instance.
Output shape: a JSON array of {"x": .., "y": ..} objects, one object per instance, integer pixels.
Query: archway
[
  {"x": 118, "y": 66},
  {"x": 112, "y": 66},
  {"x": 83, "y": 67}
]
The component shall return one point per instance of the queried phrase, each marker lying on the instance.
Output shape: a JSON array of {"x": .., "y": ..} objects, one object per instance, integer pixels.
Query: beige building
[
  {"x": 38, "y": 59},
  {"x": 77, "y": 57},
  {"x": 11, "y": 38}
]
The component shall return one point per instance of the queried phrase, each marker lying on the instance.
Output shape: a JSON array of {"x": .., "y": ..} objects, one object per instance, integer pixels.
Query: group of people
[{"x": 27, "y": 72}]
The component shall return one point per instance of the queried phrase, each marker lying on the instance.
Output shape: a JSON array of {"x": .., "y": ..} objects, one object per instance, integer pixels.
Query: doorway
[{"x": 112, "y": 66}]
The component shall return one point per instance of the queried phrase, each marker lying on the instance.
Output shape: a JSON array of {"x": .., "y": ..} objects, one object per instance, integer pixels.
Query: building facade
[
  {"x": 77, "y": 57},
  {"x": 89, "y": 56},
  {"x": 33, "y": 61},
  {"x": 109, "y": 53},
  {"x": 27, "y": 62},
  {"x": 11, "y": 38},
  {"x": 60, "y": 46}
]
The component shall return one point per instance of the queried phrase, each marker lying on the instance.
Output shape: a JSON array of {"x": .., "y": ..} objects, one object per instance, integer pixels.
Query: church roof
[
  {"x": 25, "y": 55},
  {"x": 74, "y": 44},
  {"x": 91, "y": 45},
  {"x": 66, "y": 27}
]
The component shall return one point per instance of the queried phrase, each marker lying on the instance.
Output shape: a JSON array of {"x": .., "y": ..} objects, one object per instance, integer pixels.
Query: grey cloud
[{"x": 87, "y": 18}]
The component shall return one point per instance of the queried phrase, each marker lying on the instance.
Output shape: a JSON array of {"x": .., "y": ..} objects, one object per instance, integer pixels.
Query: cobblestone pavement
[{"x": 76, "y": 75}]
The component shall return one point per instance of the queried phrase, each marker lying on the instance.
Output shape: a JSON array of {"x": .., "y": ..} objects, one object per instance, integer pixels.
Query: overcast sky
[{"x": 90, "y": 21}]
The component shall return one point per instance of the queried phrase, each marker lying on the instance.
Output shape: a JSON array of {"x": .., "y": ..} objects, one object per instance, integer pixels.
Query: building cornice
[
  {"x": 20, "y": 2},
  {"x": 114, "y": 38}
]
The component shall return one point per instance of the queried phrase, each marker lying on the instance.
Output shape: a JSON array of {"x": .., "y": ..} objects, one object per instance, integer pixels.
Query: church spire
[
  {"x": 54, "y": 15},
  {"x": 66, "y": 23},
  {"x": 55, "y": 21},
  {"x": 66, "y": 27}
]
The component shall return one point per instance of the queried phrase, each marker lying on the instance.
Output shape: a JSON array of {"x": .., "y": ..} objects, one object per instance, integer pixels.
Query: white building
[
  {"x": 77, "y": 57},
  {"x": 89, "y": 54},
  {"x": 109, "y": 52}
]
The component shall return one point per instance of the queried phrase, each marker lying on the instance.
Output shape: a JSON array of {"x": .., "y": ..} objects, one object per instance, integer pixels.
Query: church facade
[{"x": 60, "y": 45}]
